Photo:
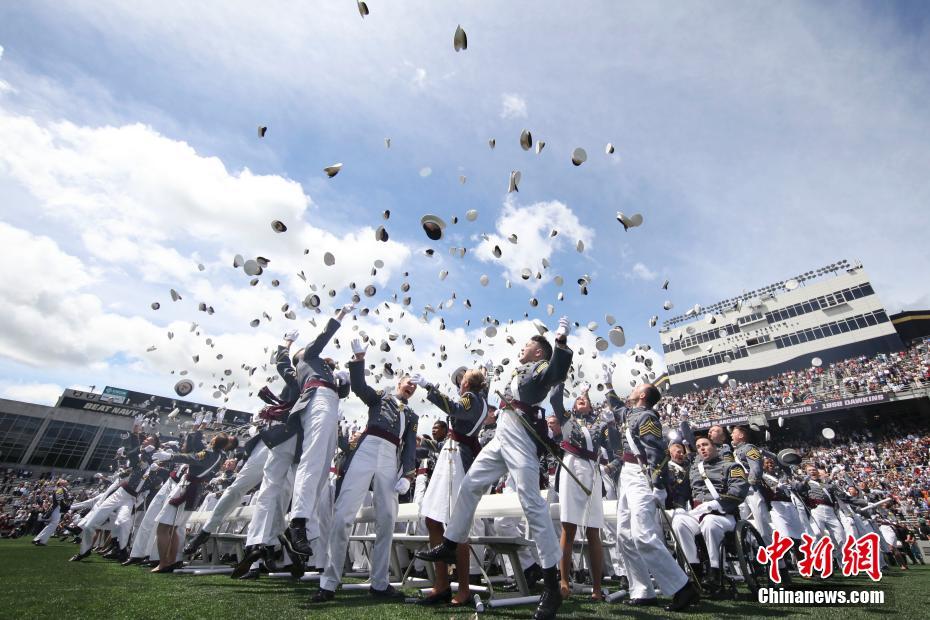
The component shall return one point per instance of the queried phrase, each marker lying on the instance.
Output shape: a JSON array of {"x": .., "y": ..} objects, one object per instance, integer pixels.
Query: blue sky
[{"x": 758, "y": 140}]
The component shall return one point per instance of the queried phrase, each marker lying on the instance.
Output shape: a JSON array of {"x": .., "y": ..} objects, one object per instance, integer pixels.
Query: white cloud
[
  {"x": 513, "y": 106},
  {"x": 643, "y": 272},
  {"x": 38, "y": 393},
  {"x": 532, "y": 225}
]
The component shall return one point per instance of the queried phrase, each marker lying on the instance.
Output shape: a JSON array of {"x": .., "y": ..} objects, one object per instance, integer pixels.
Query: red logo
[
  {"x": 773, "y": 553},
  {"x": 862, "y": 556},
  {"x": 817, "y": 557}
]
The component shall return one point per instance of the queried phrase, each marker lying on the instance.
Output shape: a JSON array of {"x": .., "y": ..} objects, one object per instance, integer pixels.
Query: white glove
[
  {"x": 358, "y": 347},
  {"x": 161, "y": 455},
  {"x": 420, "y": 380},
  {"x": 608, "y": 375},
  {"x": 121, "y": 452},
  {"x": 704, "y": 508},
  {"x": 341, "y": 376},
  {"x": 346, "y": 309},
  {"x": 149, "y": 449},
  {"x": 660, "y": 496},
  {"x": 562, "y": 331},
  {"x": 174, "y": 445},
  {"x": 585, "y": 387},
  {"x": 489, "y": 367},
  {"x": 292, "y": 335},
  {"x": 402, "y": 486}
]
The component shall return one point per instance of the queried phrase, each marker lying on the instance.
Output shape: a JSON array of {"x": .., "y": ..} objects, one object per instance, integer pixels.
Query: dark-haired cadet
[
  {"x": 515, "y": 449},
  {"x": 642, "y": 492}
]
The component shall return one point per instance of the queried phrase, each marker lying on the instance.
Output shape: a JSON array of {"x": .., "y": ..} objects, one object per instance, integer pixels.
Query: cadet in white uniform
[
  {"x": 466, "y": 417},
  {"x": 642, "y": 493},
  {"x": 515, "y": 448},
  {"x": 385, "y": 462}
]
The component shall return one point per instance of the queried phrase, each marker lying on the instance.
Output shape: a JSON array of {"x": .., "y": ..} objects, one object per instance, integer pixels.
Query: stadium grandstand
[
  {"x": 832, "y": 313},
  {"x": 80, "y": 435}
]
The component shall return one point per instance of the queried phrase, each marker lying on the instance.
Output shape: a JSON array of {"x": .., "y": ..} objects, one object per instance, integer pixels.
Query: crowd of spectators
[
  {"x": 25, "y": 502},
  {"x": 884, "y": 372}
]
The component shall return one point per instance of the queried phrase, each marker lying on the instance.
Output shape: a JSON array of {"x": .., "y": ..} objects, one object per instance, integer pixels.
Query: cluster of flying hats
[{"x": 434, "y": 227}]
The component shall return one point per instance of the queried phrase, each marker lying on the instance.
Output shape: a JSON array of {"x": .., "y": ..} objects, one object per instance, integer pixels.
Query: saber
[{"x": 509, "y": 405}]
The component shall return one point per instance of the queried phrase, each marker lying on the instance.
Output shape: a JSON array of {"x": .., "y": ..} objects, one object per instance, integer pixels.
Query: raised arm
[
  {"x": 361, "y": 389},
  {"x": 557, "y": 402}
]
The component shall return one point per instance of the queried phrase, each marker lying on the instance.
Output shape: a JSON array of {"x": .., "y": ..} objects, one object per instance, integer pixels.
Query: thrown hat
[
  {"x": 381, "y": 234},
  {"x": 262, "y": 130},
  {"x": 471, "y": 215},
  {"x": 433, "y": 226},
  {"x": 526, "y": 140},
  {"x": 514, "y": 181},
  {"x": 579, "y": 156},
  {"x": 616, "y": 335},
  {"x": 459, "y": 40},
  {"x": 278, "y": 226},
  {"x": 183, "y": 387},
  {"x": 328, "y": 259},
  {"x": 609, "y": 149},
  {"x": 362, "y": 8},
  {"x": 333, "y": 170},
  {"x": 492, "y": 143},
  {"x": 540, "y": 145}
]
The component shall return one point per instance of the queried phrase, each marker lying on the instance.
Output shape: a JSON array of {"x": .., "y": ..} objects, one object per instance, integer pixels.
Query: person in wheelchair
[
  {"x": 750, "y": 457},
  {"x": 718, "y": 487}
]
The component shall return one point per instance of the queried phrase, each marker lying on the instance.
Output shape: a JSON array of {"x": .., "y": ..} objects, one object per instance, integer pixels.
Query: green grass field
[{"x": 40, "y": 583}]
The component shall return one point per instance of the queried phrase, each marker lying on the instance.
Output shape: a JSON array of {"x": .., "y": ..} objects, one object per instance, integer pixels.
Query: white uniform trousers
[
  {"x": 322, "y": 526},
  {"x": 276, "y": 479},
  {"x": 248, "y": 478},
  {"x": 320, "y": 421},
  {"x": 145, "y": 534},
  {"x": 830, "y": 526},
  {"x": 118, "y": 507},
  {"x": 374, "y": 465},
  {"x": 888, "y": 537},
  {"x": 785, "y": 520},
  {"x": 641, "y": 540},
  {"x": 804, "y": 518},
  {"x": 713, "y": 527},
  {"x": 511, "y": 450},
  {"x": 612, "y": 556},
  {"x": 50, "y": 527},
  {"x": 756, "y": 506}
]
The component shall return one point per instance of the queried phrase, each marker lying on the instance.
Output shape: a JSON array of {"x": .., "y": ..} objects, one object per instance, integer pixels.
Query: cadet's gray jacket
[
  {"x": 464, "y": 416},
  {"x": 535, "y": 379},
  {"x": 311, "y": 365},
  {"x": 728, "y": 478},
  {"x": 384, "y": 411},
  {"x": 646, "y": 431}
]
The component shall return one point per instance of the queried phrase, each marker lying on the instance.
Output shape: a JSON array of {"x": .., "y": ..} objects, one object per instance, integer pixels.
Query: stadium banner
[
  {"x": 130, "y": 404},
  {"x": 99, "y": 405},
  {"x": 804, "y": 409}
]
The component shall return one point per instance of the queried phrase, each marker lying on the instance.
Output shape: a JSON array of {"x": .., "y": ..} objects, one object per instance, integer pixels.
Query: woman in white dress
[
  {"x": 465, "y": 418},
  {"x": 586, "y": 438}
]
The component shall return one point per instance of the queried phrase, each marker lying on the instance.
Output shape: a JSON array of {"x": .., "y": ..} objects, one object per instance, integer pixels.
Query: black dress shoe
[
  {"x": 132, "y": 561},
  {"x": 269, "y": 559},
  {"x": 253, "y": 573},
  {"x": 389, "y": 593},
  {"x": 323, "y": 596},
  {"x": 443, "y": 552},
  {"x": 623, "y": 583},
  {"x": 438, "y": 598},
  {"x": 684, "y": 598},
  {"x": 297, "y": 567},
  {"x": 251, "y": 556},
  {"x": 549, "y": 603},
  {"x": 641, "y": 602},
  {"x": 299, "y": 542},
  {"x": 79, "y": 556},
  {"x": 195, "y": 544}
]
